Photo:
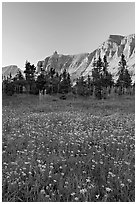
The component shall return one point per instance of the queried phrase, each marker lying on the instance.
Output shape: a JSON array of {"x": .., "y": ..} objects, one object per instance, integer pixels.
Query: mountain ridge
[
  {"x": 81, "y": 64},
  {"x": 11, "y": 69}
]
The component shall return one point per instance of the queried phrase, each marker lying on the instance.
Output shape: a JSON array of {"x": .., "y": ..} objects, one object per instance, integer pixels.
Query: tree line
[{"x": 99, "y": 84}]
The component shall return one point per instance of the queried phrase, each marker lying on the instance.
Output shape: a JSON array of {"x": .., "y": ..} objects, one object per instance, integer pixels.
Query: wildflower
[
  {"x": 76, "y": 198},
  {"x": 42, "y": 191},
  {"x": 110, "y": 173},
  {"x": 122, "y": 185},
  {"x": 23, "y": 173},
  {"x": 84, "y": 190},
  {"x": 13, "y": 163},
  {"x": 27, "y": 162},
  {"x": 47, "y": 196},
  {"x": 88, "y": 180},
  {"x": 127, "y": 163},
  {"x": 97, "y": 196},
  {"x": 129, "y": 180},
  {"x": 72, "y": 194},
  {"x": 108, "y": 189},
  {"x": 93, "y": 166}
]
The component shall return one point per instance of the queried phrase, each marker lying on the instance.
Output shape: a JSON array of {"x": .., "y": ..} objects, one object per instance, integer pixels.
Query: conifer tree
[
  {"x": 8, "y": 87},
  {"x": 55, "y": 83},
  {"x": 124, "y": 79},
  {"x": 29, "y": 71},
  {"x": 68, "y": 82},
  {"x": 30, "y": 76},
  {"x": 107, "y": 80},
  {"x": 80, "y": 86},
  {"x": 40, "y": 82},
  {"x": 52, "y": 72},
  {"x": 19, "y": 82},
  {"x": 97, "y": 77},
  {"x": 127, "y": 79},
  {"x": 89, "y": 86},
  {"x": 65, "y": 82},
  {"x": 18, "y": 76}
]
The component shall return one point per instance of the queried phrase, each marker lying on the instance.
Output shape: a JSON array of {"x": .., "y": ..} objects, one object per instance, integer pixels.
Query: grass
[{"x": 68, "y": 150}]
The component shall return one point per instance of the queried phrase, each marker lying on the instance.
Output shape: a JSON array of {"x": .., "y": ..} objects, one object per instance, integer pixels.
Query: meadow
[{"x": 73, "y": 150}]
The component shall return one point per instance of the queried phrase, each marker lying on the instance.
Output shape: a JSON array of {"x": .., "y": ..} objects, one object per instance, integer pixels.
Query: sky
[{"x": 33, "y": 31}]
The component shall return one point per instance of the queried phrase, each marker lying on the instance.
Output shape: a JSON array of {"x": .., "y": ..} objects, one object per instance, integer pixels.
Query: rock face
[
  {"x": 81, "y": 64},
  {"x": 13, "y": 69}
]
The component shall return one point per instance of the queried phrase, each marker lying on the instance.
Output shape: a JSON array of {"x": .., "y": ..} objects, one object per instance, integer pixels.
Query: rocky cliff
[{"x": 81, "y": 64}]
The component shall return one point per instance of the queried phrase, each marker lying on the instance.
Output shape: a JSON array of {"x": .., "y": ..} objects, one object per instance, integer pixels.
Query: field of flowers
[{"x": 61, "y": 151}]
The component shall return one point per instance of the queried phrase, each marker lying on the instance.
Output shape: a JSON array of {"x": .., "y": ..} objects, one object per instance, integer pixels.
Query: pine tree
[
  {"x": 29, "y": 71},
  {"x": 55, "y": 83},
  {"x": 30, "y": 77},
  {"x": 40, "y": 82},
  {"x": 82, "y": 86},
  {"x": 18, "y": 76},
  {"x": 124, "y": 79},
  {"x": 127, "y": 79},
  {"x": 52, "y": 72},
  {"x": 65, "y": 82},
  {"x": 69, "y": 82},
  {"x": 97, "y": 77},
  {"x": 89, "y": 86},
  {"x": 107, "y": 80},
  {"x": 9, "y": 87},
  {"x": 19, "y": 82}
]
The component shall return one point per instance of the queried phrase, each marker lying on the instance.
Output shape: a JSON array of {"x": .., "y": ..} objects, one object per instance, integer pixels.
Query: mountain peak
[{"x": 116, "y": 38}]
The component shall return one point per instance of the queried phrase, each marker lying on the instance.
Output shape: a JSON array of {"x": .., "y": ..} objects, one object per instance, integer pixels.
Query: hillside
[
  {"x": 81, "y": 64},
  {"x": 13, "y": 69}
]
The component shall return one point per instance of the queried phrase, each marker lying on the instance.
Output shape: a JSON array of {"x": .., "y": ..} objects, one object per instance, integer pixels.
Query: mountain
[
  {"x": 81, "y": 64},
  {"x": 13, "y": 69}
]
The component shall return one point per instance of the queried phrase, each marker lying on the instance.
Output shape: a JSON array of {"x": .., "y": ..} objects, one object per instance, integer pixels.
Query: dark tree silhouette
[
  {"x": 97, "y": 77},
  {"x": 107, "y": 80},
  {"x": 30, "y": 77},
  {"x": 65, "y": 82},
  {"x": 124, "y": 79}
]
